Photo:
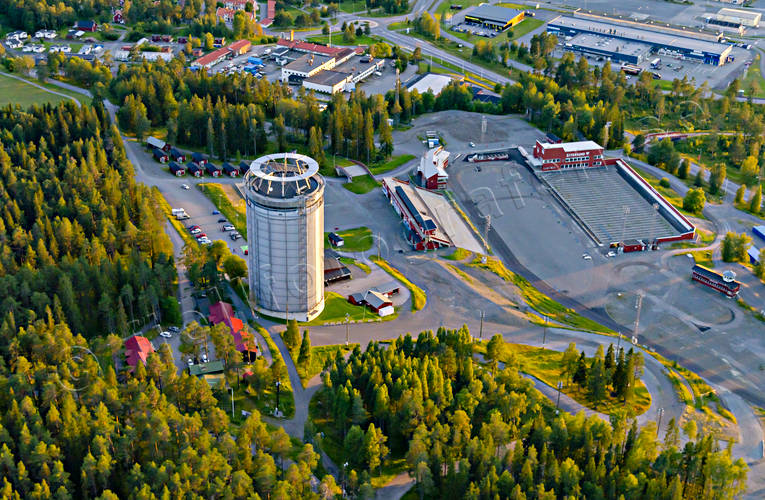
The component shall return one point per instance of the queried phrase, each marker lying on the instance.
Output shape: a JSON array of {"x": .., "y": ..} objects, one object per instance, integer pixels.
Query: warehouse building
[
  {"x": 493, "y": 17},
  {"x": 748, "y": 18},
  {"x": 695, "y": 49},
  {"x": 617, "y": 50},
  {"x": 327, "y": 82},
  {"x": 306, "y": 66}
]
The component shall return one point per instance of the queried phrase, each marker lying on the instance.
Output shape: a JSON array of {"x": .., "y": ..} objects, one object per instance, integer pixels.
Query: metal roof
[
  {"x": 284, "y": 175},
  {"x": 493, "y": 13},
  {"x": 639, "y": 35}
]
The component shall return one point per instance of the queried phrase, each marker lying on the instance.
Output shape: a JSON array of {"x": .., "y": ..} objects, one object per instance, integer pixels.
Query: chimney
[{"x": 292, "y": 35}]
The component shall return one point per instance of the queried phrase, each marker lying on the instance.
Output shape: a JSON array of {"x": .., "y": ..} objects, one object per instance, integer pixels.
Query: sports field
[{"x": 13, "y": 91}]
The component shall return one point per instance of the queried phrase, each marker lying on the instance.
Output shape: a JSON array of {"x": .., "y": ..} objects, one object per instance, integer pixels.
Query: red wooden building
[{"x": 582, "y": 154}]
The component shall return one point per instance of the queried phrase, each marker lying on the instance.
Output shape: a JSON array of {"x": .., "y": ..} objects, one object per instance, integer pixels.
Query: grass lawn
[
  {"x": 356, "y": 240},
  {"x": 419, "y": 299},
  {"x": 391, "y": 164},
  {"x": 236, "y": 214},
  {"x": 701, "y": 257},
  {"x": 547, "y": 366},
  {"x": 539, "y": 301},
  {"x": 459, "y": 254},
  {"x": 361, "y": 184},
  {"x": 348, "y": 261},
  {"x": 319, "y": 357},
  {"x": 663, "y": 84},
  {"x": 336, "y": 307},
  {"x": 178, "y": 225},
  {"x": 337, "y": 39},
  {"x": 668, "y": 193},
  {"x": 754, "y": 78},
  {"x": 25, "y": 94}
]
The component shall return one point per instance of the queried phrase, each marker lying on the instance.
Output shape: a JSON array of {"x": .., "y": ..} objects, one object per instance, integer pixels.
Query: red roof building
[
  {"x": 582, "y": 154},
  {"x": 227, "y": 14},
  {"x": 341, "y": 54},
  {"x": 240, "y": 47},
  {"x": 270, "y": 14},
  {"x": 137, "y": 348},
  {"x": 222, "y": 312}
]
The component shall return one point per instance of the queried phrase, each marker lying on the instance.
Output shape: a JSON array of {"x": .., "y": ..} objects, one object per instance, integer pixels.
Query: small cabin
[
  {"x": 213, "y": 169},
  {"x": 199, "y": 158},
  {"x": 176, "y": 155},
  {"x": 153, "y": 142},
  {"x": 194, "y": 169},
  {"x": 176, "y": 169},
  {"x": 160, "y": 155},
  {"x": 231, "y": 170}
]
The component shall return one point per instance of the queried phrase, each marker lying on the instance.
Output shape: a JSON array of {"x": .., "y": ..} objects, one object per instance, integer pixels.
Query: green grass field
[
  {"x": 391, "y": 164},
  {"x": 348, "y": 261},
  {"x": 319, "y": 357},
  {"x": 336, "y": 307},
  {"x": 25, "y": 94},
  {"x": 754, "y": 78},
  {"x": 355, "y": 240},
  {"x": 236, "y": 214},
  {"x": 361, "y": 184},
  {"x": 337, "y": 39},
  {"x": 547, "y": 366}
]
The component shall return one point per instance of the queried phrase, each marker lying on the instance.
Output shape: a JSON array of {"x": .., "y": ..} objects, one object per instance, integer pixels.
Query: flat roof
[
  {"x": 571, "y": 147},
  {"x": 639, "y": 35},
  {"x": 493, "y": 13},
  {"x": 741, "y": 14},
  {"x": 284, "y": 175},
  {"x": 435, "y": 83},
  {"x": 307, "y": 62},
  {"x": 355, "y": 66},
  {"x": 328, "y": 77},
  {"x": 606, "y": 44}
]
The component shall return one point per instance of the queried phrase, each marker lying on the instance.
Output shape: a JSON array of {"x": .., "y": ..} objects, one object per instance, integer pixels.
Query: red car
[{"x": 200, "y": 235}]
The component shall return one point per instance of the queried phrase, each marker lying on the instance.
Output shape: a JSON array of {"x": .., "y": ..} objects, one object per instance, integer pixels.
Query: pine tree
[
  {"x": 685, "y": 169},
  {"x": 291, "y": 335},
  {"x": 755, "y": 204},
  {"x": 580, "y": 374},
  {"x": 740, "y": 193},
  {"x": 304, "y": 358}
]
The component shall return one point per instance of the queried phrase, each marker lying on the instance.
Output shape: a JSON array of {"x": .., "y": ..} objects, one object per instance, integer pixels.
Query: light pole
[
  {"x": 658, "y": 427},
  {"x": 544, "y": 333},
  {"x": 232, "y": 401},
  {"x": 480, "y": 332},
  {"x": 278, "y": 384},
  {"x": 560, "y": 386},
  {"x": 347, "y": 322}
]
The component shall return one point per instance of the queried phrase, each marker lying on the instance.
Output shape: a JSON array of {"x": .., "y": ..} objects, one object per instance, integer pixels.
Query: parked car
[
  {"x": 586, "y": 256},
  {"x": 221, "y": 220},
  {"x": 204, "y": 358},
  {"x": 234, "y": 236},
  {"x": 190, "y": 362},
  {"x": 196, "y": 230},
  {"x": 185, "y": 186},
  {"x": 216, "y": 212},
  {"x": 200, "y": 235},
  {"x": 228, "y": 227},
  {"x": 174, "y": 329},
  {"x": 166, "y": 335},
  {"x": 472, "y": 144}
]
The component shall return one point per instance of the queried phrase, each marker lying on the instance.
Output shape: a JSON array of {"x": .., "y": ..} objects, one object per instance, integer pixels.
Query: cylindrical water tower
[{"x": 285, "y": 233}]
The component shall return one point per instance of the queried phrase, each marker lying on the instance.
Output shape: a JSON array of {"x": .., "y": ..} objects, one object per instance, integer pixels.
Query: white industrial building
[
  {"x": 285, "y": 224},
  {"x": 748, "y": 18},
  {"x": 306, "y": 66}
]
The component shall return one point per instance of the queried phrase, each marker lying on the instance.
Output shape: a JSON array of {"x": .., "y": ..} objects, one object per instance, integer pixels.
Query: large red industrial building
[{"x": 563, "y": 155}]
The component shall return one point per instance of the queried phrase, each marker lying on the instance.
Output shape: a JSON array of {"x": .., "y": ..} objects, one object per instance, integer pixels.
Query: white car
[
  {"x": 612, "y": 254},
  {"x": 190, "y": 362},
  {"x": 586, "y": 256},
  {"x": 472, "y": 144},
  {"x": 228, "y": 227},
  {"x": 166, "y": 335},
  {"x": 204, "y": 358},
  {"x": 196, "y": 231},
  {"x": 185, "y": 186}
]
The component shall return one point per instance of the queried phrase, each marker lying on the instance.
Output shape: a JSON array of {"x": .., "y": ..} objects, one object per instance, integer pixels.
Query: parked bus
[
  {"x": 656, "y": 63},
  {"x": 631, "y": 69}
]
